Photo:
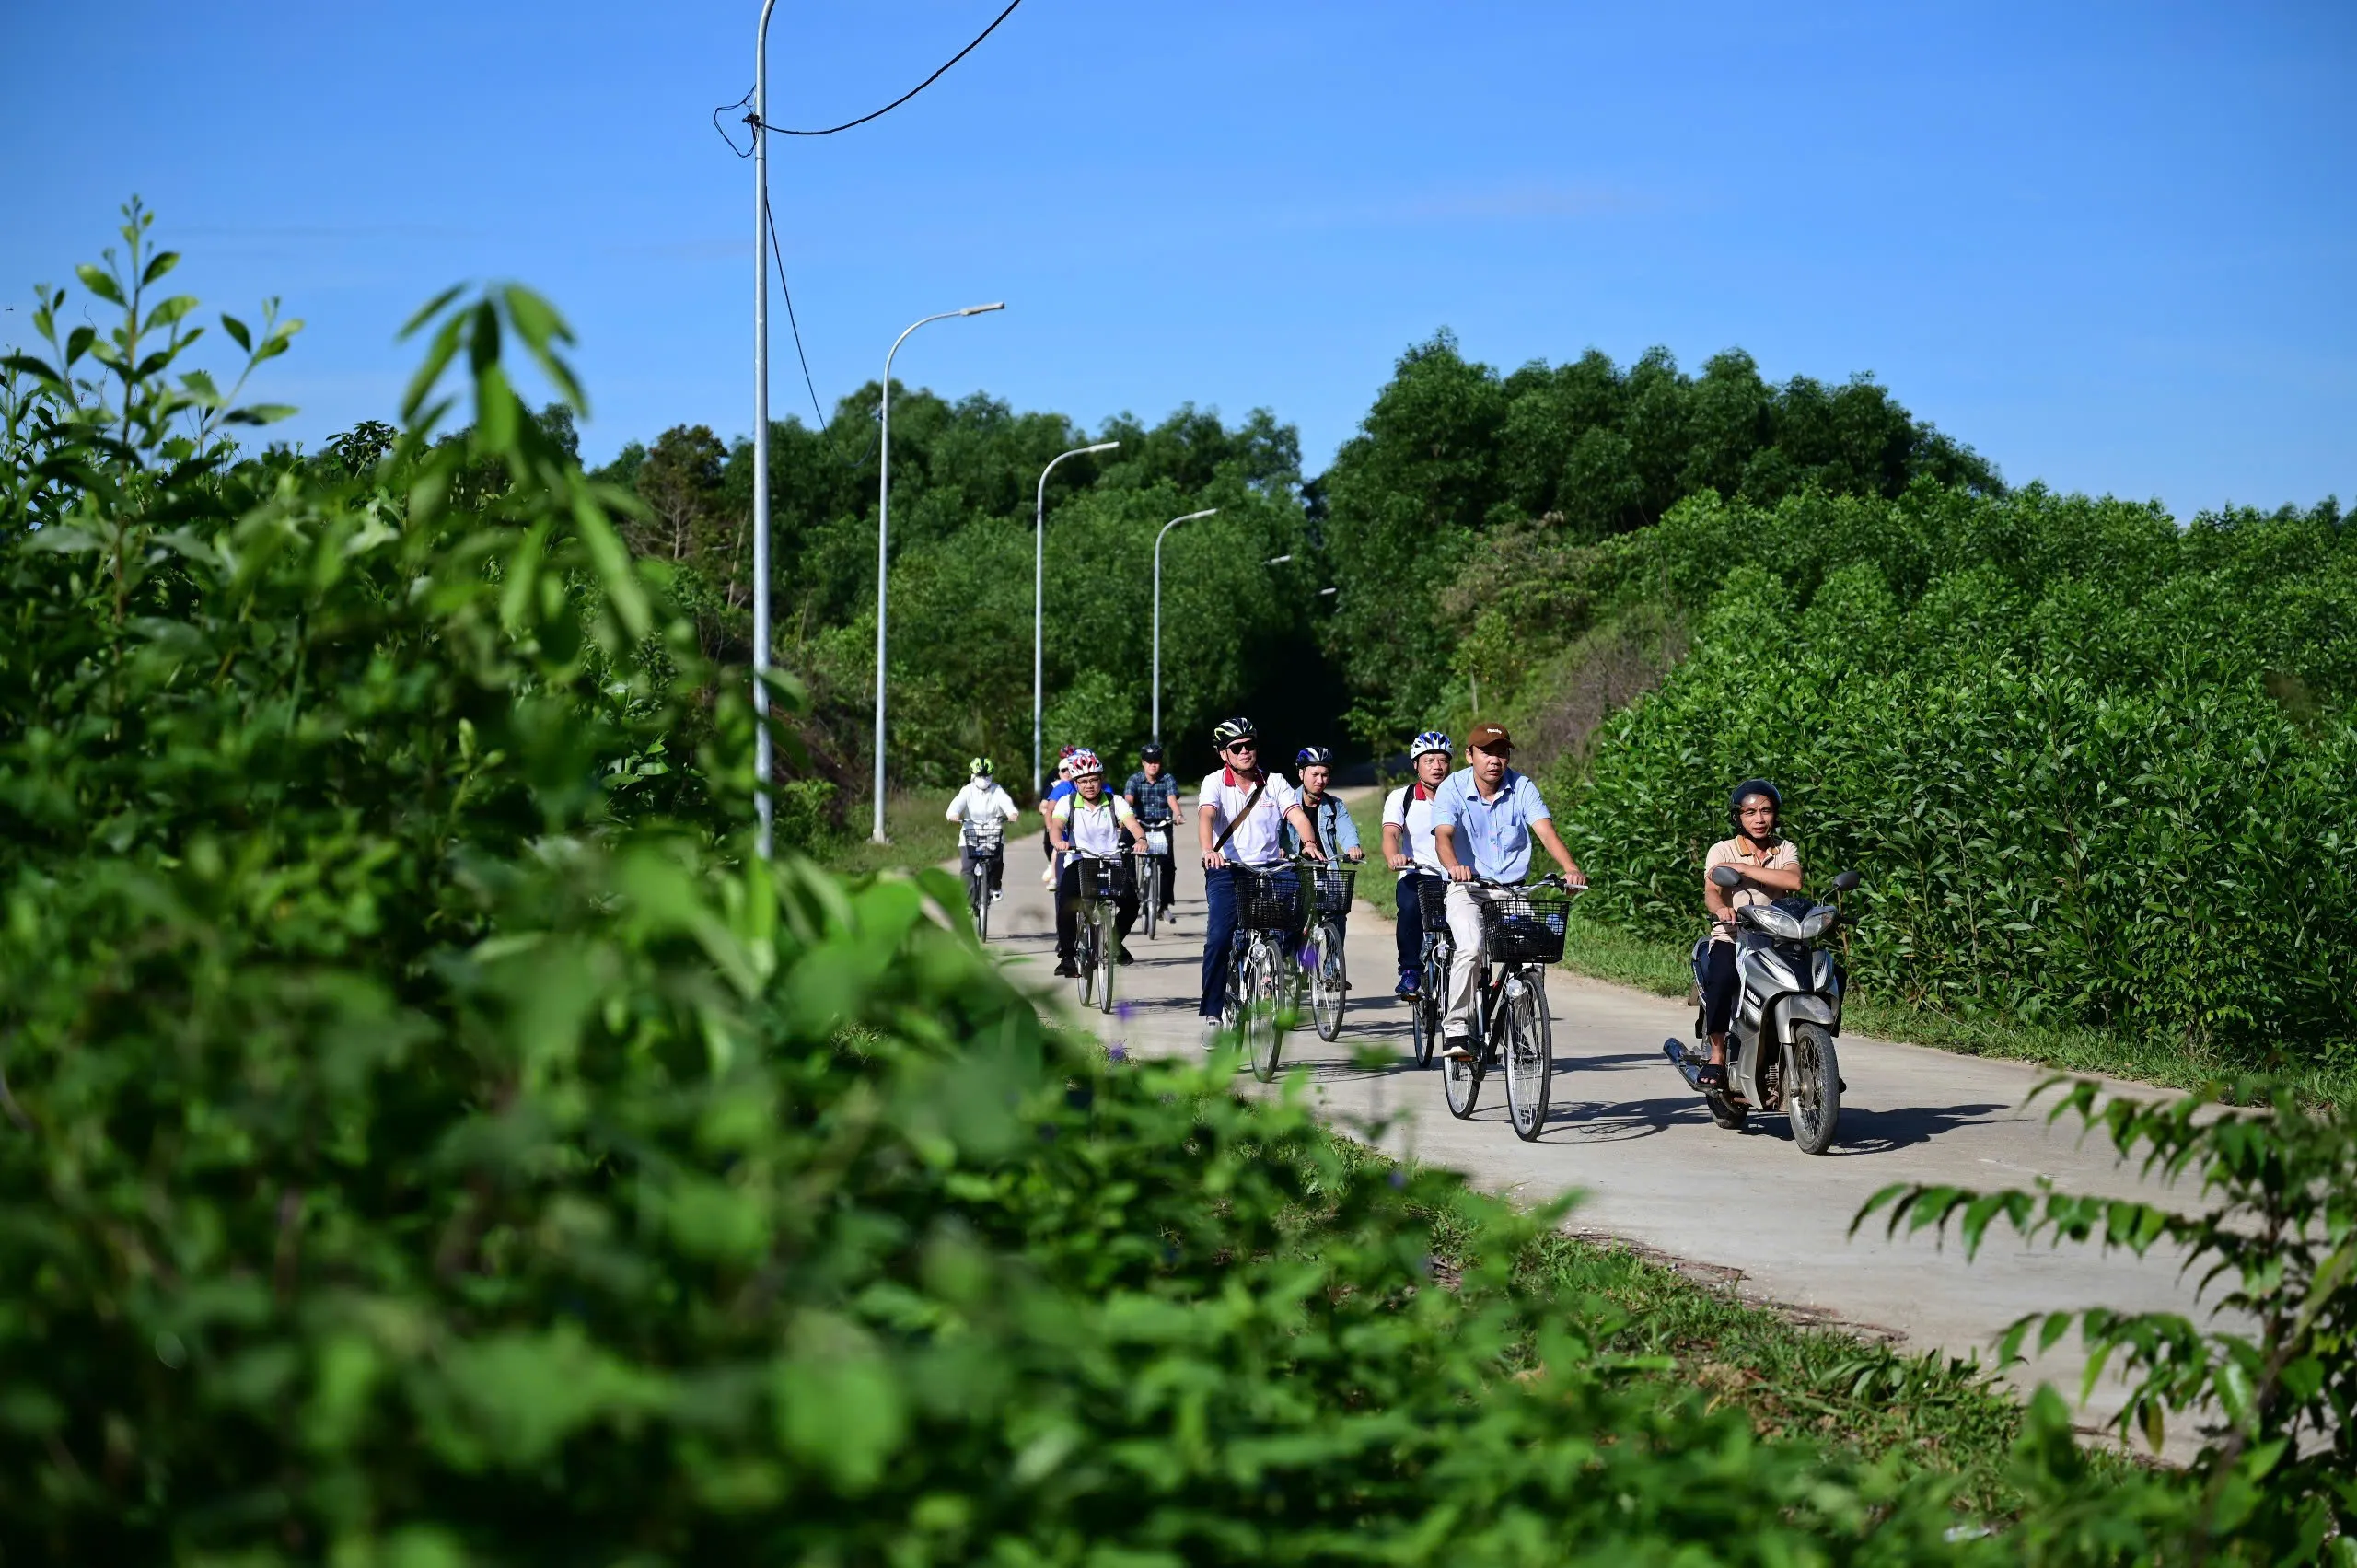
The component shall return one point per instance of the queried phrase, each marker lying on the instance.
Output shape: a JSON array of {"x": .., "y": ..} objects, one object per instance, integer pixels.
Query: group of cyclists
[{"x": 1453, "y": 826}]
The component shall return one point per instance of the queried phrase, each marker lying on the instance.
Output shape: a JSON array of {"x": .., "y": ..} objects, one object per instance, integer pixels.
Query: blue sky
[{"x": 2109, "y": 245}]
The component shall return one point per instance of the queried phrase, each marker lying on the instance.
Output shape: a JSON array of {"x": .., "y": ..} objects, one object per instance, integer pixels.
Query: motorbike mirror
[
  {"x": 1847, "y": 882},
  {"x": 1726, "y": 876}
]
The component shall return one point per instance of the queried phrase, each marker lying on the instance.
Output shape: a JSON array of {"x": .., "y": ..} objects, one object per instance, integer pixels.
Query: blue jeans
[
  {"x": 1219, "y": 935},
  {"x": 1219, "y": 930}
]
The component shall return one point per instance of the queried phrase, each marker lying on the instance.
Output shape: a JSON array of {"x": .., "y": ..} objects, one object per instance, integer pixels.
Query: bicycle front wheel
[
  {"x": 1329, "y": 981},
  {"x": 1150, "y": 905},
  {"x": 1109, "y": 955},
  {"x": 1263, "y": 1000},
  {"x": 1529, "y": 1054},
  {"x": 1084, "y": 952},
  {"x": 977, "y": 899}
]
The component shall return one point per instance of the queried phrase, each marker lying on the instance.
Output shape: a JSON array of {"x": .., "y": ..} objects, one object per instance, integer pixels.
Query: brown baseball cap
[{"x": 1490, "y": 737}]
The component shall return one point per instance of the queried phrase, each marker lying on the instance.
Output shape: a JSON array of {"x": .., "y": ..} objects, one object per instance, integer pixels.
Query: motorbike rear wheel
[{"x": 1812, "y": 1088}]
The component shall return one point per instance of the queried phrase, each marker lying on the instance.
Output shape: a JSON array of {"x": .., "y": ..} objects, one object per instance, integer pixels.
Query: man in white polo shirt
[
  {"x": 1241, "y": 823},
  {"x": 1483, "y": 821}
]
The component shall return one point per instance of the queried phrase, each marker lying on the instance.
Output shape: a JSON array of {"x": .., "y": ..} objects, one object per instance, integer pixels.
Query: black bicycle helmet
[
  {"x": 1747, "y": 788},
  {"x": 1314, "y": 756},
  {"x": 1150, "y": 752},
  {"x": 1229, "y": 731}
]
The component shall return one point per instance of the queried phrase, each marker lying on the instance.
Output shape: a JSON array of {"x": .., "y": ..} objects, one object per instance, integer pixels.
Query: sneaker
[
  {"x": 997, "y": 893},
  {"x": 1211, "y": 1034},
  {"x": 1406, "y": 989},
  {"x": 1125, "y": 957},
  {"x": 1067, "y": 970},
  {"x": 1459, "y": 1048}
]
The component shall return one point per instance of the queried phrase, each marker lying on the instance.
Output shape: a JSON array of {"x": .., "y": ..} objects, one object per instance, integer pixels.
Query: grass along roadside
[
  {"x": 1793, "y": 1378},
  {"x": 920, "y": 836},
  {"x": 2165, "y": 1061}
]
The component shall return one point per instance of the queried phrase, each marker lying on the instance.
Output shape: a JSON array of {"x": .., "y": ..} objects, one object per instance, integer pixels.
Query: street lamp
[
  {"x": 884, "y": 540},
  {"x": 1038, "y": 594},
  {"x": 1173, "y": 523},
  {"x": 761, "y": 803}
]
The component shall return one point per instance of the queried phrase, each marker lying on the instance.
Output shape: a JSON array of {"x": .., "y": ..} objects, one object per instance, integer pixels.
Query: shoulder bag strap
[{"x": 1236, "y": 821}]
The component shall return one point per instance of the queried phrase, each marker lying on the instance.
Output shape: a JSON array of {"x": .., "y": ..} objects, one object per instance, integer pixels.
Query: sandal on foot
[{"x": 1711, "y": 1075}]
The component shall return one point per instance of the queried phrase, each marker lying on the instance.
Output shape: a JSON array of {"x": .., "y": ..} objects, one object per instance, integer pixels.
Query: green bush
[{"x": 2052, "y": 733}]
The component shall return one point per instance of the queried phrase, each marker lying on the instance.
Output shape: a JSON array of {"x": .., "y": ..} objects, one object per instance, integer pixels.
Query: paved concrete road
[{"x": 1748, "y": 1208}]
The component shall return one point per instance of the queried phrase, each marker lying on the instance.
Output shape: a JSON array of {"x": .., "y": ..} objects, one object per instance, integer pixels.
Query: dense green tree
[{"x": 1450, "y": 451}]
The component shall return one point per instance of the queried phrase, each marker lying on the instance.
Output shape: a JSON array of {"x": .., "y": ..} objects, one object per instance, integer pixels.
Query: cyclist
[
  {"x": 1240, "y": 816},
  {"x": 1771, "y": 868},
  {"x": 1152, "y": 794},
  {"x": 1090, "y": 821},
  {"x": 1338, "y": 835},
  {"x": 1056, "y": 791},
  {"x": 985, "y": 810},
  {"x": 1408, "y": 846},
  {"x": 1484, "y": 818}
]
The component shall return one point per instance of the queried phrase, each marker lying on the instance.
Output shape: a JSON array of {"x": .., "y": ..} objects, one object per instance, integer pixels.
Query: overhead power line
[{"x": 757, "y": 125}]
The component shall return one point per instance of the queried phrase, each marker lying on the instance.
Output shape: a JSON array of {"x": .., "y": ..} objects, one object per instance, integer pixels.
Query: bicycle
[
  {"x": 1096, "y": 946},
  {"x": 1260, "y": 969},
  {"x": 1322, "y": 956},
  {"x": 1158, "y": 868},
  {"x": 1431, "y": 966},
  {"x": 1521, "y": 932},
  {"x": 980, "y": 851}
]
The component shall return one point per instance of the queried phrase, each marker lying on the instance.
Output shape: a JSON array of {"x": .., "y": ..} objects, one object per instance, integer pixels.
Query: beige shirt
[{"x": 1738, "y": 851}]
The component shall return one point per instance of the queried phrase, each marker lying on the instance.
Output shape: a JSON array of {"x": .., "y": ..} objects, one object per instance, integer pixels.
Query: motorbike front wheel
[{"x": 1812, "y": 1088}]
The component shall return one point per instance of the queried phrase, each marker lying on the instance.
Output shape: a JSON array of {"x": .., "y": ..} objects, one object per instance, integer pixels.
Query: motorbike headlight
[
  {"x": 1819, "y": 922},
  {"x": 1775, "y": 921}
]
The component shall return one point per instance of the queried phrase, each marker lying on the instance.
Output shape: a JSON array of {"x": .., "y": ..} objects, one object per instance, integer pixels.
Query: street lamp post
[
  {"x": 1173, "y": 523},
  {"x": 1039, "y": 594},
  {"x": 884, "y": 540},
  {"x": 762, "y": 806}
]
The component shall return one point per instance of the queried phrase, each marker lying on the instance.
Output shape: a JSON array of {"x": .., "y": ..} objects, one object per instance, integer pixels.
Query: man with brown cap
[{"x": 1484, "y": 816}]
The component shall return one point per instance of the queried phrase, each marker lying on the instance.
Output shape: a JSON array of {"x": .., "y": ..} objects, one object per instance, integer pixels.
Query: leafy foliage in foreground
[
  {"x": 2279, "y": 1475},
  {"x": 425, "y": 1141},
  {"x": 2095, "y": 768}
]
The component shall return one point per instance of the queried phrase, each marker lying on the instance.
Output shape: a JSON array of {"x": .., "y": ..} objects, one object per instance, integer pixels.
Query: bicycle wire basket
[
  {"x": 1106, "y": 879},
  {"x": 1329, "y": 888},
  {"x": 1268, "y": 900},
  {"x": 1432, "y": 900},
  {"x": 1524, "y": 925}
]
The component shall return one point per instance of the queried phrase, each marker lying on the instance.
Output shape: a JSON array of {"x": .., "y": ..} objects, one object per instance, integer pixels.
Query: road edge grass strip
[
  {"x": 2166, "y": 1061},
  {"x": 1836, "y": 1386}
]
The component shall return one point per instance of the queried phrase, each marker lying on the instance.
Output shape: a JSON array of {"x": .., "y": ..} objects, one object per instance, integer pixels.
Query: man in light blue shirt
[{"x": 1484, "y": 816}]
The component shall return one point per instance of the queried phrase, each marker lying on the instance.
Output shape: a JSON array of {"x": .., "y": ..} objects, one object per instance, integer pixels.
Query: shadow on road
[{"x": 1880, "y": 1132}]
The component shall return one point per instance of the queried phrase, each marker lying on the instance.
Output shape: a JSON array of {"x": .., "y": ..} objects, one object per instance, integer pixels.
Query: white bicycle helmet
[{"x": 1431, "y": 740}]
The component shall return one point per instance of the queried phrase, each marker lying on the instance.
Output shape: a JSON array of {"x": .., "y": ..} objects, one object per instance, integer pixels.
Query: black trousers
[
  {"x": 1125, "y": 910},
  {"x": 1409, "y": 932},
  {"x": 994, "y": 858},
  {"x": 1718, "y": 988}
]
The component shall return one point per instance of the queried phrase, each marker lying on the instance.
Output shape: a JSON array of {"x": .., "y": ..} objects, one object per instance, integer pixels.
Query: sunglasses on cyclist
[{"x": 1244, "y": 746}]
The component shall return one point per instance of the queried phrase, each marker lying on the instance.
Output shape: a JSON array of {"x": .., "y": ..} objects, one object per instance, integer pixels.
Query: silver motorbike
[{"x": 1788, "y": 1010}]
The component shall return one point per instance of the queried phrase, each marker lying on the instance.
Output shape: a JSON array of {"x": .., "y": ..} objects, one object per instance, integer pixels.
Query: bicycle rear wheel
[
  {"x": 1263, "y": 997},
  {"x": 1529, "y": 1054},
  {"x": 1329, "y": 981}
]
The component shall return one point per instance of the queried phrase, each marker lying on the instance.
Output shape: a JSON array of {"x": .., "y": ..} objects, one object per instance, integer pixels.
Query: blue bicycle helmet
[{"x": 1314, "y": 756}]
